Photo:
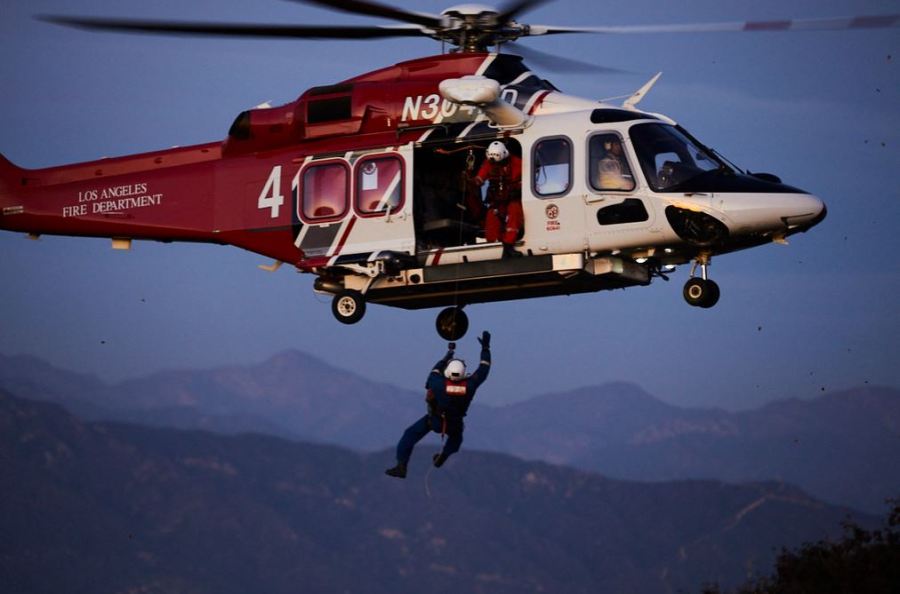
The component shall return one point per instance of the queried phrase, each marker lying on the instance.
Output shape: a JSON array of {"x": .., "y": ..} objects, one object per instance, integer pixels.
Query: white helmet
[
  {"x": 455, "y": 370},
  {"x": 497, "y": 151}
]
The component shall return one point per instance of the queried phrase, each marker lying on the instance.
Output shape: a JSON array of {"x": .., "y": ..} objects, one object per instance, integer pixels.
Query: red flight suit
[{"x": 504, "y": 199}]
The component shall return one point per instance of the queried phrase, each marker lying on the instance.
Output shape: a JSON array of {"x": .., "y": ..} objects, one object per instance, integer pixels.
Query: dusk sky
[{"x": 819, "y": 109}]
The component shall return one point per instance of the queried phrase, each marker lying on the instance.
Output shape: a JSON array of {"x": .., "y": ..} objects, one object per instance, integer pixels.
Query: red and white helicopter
[{"x": 363, "y": 183}]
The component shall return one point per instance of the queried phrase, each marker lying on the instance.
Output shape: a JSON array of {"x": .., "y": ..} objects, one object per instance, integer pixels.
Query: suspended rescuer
[
  {"x": 449, "y": 391},
  {"x": 504, "y": 219}
]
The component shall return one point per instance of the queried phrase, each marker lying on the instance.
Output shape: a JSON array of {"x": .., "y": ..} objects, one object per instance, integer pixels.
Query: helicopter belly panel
[{"x": 501, "y": 280}]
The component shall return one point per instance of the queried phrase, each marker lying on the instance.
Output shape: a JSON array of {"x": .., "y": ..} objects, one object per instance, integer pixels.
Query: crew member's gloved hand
[{"x": 485, "y": 340}]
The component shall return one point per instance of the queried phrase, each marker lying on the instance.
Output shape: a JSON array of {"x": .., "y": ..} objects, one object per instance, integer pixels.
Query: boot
[
  {"x": 439, "y": 460},
  {"x": 510, "y": 252},
  {"x": 398, "y": 471}
]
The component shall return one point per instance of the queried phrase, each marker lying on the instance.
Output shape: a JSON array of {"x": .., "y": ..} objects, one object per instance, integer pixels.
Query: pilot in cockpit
[{"x": 613, "y": 172}]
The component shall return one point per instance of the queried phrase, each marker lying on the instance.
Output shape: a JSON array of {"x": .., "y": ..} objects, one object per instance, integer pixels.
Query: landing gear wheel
[
  {"x": 452, "y": 323},
  {"x": 712, "y": 294},
  {"x": 348, "y": 307},
  {"x": 701, "y": 292}
]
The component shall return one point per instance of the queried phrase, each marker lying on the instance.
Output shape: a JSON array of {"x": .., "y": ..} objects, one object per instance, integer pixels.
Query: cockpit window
[{"x": 669, "y": 157}]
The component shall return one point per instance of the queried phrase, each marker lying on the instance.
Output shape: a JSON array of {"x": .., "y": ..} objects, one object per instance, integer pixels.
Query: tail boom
[
  {"x": 166, "y": 196},
  {"x": 183, "y": 194}
]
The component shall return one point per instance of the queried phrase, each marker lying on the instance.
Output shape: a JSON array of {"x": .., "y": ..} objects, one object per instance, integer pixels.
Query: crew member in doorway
[
  {"x": 449, "y": 392},
  {"x": 504, "y": 219}
]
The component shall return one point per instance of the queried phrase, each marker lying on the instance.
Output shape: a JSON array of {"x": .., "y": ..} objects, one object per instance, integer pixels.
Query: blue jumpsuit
[{"x": 448, "y": 402}]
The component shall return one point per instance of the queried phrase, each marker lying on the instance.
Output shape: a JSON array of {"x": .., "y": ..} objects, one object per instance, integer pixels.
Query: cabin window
[
  {"x": 379, "y": 185},
  {"x": 631, "y": 210},
  {"x": 325, "y": 189},
  {"x": 552, "y": 167},
  {"x": 608, "y": 165}
]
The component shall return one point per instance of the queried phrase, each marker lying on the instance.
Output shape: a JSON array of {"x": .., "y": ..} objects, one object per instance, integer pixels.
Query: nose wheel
[
  {"x": 701, "y": 292},
  {"x": 452, "y": 323}
]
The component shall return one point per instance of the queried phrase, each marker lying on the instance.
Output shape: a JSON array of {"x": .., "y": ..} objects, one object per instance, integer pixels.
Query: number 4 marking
[{"x": 271, "y": 196}]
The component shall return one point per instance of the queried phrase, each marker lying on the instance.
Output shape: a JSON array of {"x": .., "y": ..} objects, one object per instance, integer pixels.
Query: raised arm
[{"x": 485, "y": 366}]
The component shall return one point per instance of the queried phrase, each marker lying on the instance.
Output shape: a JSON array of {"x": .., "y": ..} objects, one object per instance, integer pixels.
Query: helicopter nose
[{"x": 810, "y": 211}]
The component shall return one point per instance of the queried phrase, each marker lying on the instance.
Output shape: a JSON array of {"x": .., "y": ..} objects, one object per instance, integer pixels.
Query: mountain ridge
[
  {"x": 839, "y": 446},
  {"x": 114, "y": 507}
]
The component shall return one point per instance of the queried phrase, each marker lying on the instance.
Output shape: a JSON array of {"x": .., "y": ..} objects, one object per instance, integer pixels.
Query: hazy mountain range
[
  {"x": 841, "y": 447},
  {"x": 113, "y": 508}
]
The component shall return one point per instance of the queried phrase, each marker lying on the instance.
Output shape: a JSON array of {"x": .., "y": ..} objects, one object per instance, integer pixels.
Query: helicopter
[{"x": 364, "y": 183}]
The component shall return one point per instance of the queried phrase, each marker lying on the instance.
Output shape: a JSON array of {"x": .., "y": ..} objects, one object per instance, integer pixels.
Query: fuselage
[{"x": 369, "y": 170}]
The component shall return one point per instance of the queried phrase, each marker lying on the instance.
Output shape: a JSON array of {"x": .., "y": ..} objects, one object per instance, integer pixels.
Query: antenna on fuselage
[{"x": 636, "y": 97}]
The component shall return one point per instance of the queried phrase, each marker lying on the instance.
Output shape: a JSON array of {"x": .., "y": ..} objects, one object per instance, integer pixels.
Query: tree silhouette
[{"x": 862, "y": 562}]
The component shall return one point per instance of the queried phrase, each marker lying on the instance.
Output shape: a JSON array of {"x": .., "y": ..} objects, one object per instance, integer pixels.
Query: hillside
[
  {"x": 115, "y": 508},
  {"x": 840, "y": 447}
]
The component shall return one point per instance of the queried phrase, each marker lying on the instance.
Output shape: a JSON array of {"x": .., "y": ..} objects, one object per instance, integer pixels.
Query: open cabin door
[{"x": 448, "y": 210}]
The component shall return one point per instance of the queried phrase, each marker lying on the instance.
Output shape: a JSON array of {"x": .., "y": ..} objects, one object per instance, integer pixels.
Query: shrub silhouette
[{"x": 862, "y": 562}]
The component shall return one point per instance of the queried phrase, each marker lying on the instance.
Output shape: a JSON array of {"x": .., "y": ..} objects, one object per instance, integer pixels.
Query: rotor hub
[{"x": 475, "y": 27}]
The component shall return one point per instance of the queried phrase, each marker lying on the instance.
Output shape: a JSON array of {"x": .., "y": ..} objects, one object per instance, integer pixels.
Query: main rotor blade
[
  {"x": 827, "y": 24},
  {"x": 517, "y": 7},
  {"x": 559, "y": 63},
  {"x": 367, "y": 7},
  {"x": 233, "y": 29}
]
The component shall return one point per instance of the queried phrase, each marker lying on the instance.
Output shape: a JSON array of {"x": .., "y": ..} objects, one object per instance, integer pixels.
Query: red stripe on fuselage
[{"x": 344, "y": 237}]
